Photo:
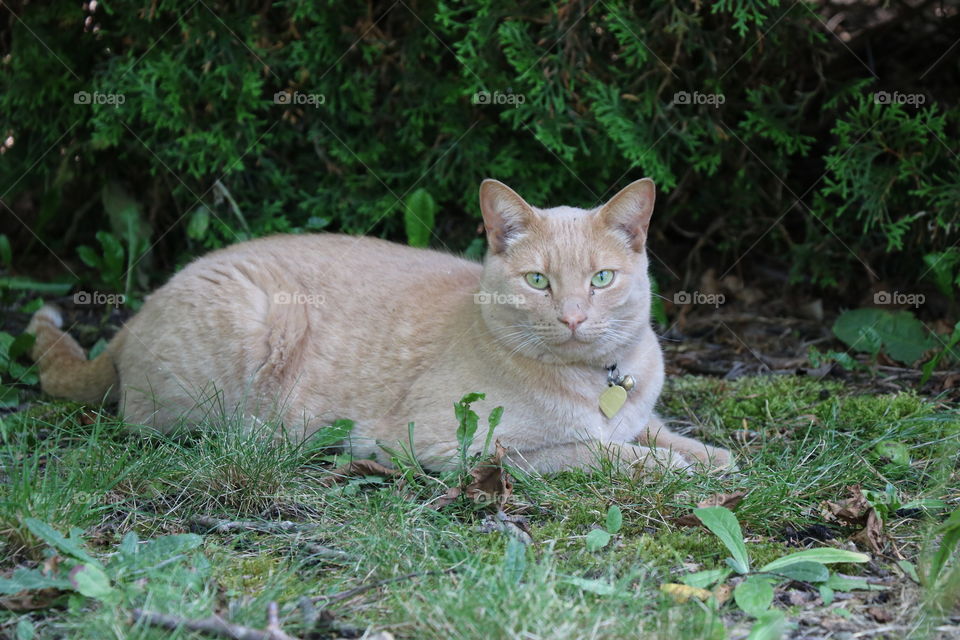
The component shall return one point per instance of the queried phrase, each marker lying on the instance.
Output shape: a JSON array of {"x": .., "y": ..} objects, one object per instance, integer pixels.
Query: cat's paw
[
  {"x": 47, "y": 314},
  {"x": 715, "y": 459},
  {"x": 658, "y": 458}
]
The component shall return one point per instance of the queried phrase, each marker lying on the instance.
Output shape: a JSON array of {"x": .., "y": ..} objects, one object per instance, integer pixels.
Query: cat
[{"x": 307, "y": 329}]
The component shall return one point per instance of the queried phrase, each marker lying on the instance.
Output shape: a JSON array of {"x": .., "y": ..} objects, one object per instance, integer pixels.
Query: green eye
[
  {"x": 537, "y": 280},
  {"x": 602, "y": 278}
]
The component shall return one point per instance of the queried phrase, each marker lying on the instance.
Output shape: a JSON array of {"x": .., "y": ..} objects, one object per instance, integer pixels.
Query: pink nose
[{"x": 573, "y": 320}]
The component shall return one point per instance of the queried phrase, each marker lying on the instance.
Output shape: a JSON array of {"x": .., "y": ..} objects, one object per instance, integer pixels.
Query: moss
[{"x": 246, "y": 575}]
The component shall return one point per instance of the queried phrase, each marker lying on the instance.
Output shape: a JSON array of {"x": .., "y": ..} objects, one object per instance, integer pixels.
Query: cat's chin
[{"x": 572, "y": 351}]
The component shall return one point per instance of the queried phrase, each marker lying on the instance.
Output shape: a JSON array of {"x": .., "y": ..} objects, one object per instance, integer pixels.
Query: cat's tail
[{"x": 65, "y": 371}]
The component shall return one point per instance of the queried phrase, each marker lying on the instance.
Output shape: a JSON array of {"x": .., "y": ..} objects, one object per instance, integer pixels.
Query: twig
[
  {"x": 273, "y": 623},
  {"x": 217, "y": 525},
  {"x": 216, "y": 626},
  {"x": 349, "y": 593},
  {"x": 326, "y": 552}
]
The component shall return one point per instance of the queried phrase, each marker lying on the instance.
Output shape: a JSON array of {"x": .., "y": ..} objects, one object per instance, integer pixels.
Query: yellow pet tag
[{"x": 612, "y": 400}]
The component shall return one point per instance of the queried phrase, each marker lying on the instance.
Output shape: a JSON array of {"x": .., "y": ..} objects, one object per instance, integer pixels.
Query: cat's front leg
[
  {"x": 658, "y": 435},
  {"x": 584, "y": 455}
]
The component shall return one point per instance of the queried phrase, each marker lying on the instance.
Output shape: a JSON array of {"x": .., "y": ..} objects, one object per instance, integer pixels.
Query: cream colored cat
[{"x": 311, "y": 328}]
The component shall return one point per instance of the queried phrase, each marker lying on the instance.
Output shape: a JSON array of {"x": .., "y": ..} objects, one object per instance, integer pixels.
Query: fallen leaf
[
  {"x": 880, "y": 614},
  {"x": 722, "y": 592},
  {"x": 681, "y": 593},
  {"x": 31, "y": 600},
  {"x": 356, "y": 468},
  {"x": 491, "y": 482},
  {"x": 728, "y": 500},
  {"x": 447, "y": 498},
  {"x": 856, "y": 511},
  {"x": 872, "y": 535},
  {"x": 51, "y": 564},
  {"x": 850, "y": 511}
]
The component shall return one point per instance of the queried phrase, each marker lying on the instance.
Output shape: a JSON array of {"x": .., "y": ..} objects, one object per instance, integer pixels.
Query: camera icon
[
  {"x": 82, "y": 297},
  {"x": 481, "y": 97},
  {"x": 281, "y": 297},
  {"x": 482, "y": 298},
  {"x": 81, "y": 97},
  {"x": 882, "y": 297},
  {"x": 282, "y": 97},
  {"x": 881, "y": 97},
  {"x": 681, "y": 97},
  {"x": 682, "y": 297}
]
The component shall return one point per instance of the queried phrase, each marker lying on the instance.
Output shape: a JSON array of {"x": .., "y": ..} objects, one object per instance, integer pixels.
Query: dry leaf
[
  {"x": 31, "y": 600},
  {"x": 856, "y": 511},
  {"x": 872, "y": 535},
  {"x": 880, "y": 614},
  {"x": 356, "y": 468},
  {"x": 50, "y": 565},
  {"x": 680, "y": 593},
  {"x": 722, "y": 592},
  {"x": 491, "y": 483},
  {"x": 850, "y": 511},
  {"x": 447, "y": 498},
  {"x": 728, "y": 500}
]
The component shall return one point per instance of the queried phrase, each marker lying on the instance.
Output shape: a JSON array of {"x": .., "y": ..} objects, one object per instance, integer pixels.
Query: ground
[{"x": 801, "y": 443}]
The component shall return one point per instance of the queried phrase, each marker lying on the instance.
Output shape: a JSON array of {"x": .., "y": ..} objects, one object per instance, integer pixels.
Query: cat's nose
[{"x": 573, "y": 319}]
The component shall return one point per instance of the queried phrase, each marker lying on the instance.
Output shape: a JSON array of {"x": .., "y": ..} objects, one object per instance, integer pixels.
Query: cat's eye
[
  {"x": 602, "y": 278},
  {"x": 537, "y": 280}
]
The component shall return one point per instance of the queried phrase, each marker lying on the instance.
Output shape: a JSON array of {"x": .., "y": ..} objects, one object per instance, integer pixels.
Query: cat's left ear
[{"x": 630, "y": 210}]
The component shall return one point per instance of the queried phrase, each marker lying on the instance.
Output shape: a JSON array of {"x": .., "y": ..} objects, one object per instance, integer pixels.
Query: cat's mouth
[{"x": 575, "y": 339}]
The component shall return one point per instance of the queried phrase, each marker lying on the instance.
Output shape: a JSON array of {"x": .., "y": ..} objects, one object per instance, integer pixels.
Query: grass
[{"x": 800, "y": 442}]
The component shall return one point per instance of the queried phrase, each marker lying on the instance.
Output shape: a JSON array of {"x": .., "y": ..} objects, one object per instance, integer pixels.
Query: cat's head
[{"x": 566, "y": 284}]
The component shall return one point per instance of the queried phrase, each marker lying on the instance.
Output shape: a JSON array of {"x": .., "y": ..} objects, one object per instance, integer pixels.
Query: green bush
[{"x": 781, "y": 139}]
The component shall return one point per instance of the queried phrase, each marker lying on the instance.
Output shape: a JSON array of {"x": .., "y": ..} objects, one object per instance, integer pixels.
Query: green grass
[{"x": 807, "y": 441}]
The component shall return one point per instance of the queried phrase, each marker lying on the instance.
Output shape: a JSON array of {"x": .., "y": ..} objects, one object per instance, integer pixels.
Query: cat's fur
[{"x": 311, "y": 328}]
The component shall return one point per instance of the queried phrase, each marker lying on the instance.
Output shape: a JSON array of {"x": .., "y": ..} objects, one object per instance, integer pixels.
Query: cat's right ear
[{"x": 505, "y": 214}]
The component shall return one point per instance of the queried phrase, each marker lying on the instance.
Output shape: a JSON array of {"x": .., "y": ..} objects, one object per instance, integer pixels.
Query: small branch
[
  {"x": 349, "y": 593},
  {"x": 217, "y": 525},
  {"x": 326, "y": 552},
  {"x": 216, "y": 626}
]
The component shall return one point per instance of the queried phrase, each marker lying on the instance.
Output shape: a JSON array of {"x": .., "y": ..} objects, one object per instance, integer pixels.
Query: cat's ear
[
  {"x": 629, "y": 211},
  {"x": 505, "y": 214}
]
